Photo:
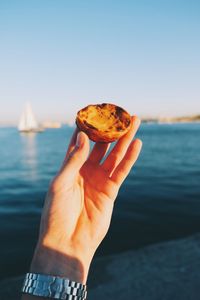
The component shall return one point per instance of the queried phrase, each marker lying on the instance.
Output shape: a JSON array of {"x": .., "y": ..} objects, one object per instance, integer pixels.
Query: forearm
[{"x": 51, "y": 262}]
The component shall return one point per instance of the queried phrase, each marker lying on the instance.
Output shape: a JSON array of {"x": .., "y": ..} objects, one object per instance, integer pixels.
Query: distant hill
[
  {"x": 184, "y": 119},
  {"x": 187, "y": 119}
]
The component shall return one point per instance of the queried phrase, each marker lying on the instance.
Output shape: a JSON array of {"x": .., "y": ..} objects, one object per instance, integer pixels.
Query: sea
[{"x": 159, "y": 201}]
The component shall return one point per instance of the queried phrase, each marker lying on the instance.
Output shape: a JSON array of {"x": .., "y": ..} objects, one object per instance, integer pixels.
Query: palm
[
  {"x": 95, "y": 189},
  {"x": 86, "y": 194},
  {"x": 97, "y": 185},
  {"x": 99, "y": 194}
]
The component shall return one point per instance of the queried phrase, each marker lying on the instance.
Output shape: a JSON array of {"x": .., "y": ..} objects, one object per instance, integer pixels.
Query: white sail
[{"x": 27, "y": 121}]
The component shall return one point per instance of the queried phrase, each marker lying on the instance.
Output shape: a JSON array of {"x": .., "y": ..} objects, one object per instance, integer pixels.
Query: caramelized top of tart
[{"x": 103, "y": 122}]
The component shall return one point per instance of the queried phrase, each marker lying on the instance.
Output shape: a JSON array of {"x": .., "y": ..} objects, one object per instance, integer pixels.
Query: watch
[{"x": 53, "y": 287}]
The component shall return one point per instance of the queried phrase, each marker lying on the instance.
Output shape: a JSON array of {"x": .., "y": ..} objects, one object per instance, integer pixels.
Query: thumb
[{"x": 77, "y": 157}]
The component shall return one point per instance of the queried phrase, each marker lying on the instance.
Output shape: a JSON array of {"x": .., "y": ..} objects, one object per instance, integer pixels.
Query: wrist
[{"x": 52, "y": 262}]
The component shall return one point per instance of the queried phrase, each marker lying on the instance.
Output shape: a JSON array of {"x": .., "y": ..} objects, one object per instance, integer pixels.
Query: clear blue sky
[{"x": 62, "y": 55}]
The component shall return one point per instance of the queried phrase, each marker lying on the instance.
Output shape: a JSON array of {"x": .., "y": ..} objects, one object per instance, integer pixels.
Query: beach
[{"x": 163, "y": 271}]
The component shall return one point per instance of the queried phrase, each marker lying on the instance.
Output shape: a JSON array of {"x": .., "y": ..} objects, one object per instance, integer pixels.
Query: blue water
[{"x": 160, "y": 199}]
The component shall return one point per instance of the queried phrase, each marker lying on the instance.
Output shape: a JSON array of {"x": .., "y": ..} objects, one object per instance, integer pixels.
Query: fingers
[
  {"x": 124, "y": 167},
  {"x": 76, "y": 157},
  {"x": 121, "y": 147},
  {"x": 98, "y": 152}
]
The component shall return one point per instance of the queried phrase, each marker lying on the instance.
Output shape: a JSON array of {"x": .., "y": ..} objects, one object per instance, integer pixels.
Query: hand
[{"x": 79, "y": 204}]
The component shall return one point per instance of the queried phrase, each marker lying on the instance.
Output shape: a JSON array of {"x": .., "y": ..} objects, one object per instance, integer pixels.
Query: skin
[{"x": 79, "y": 205}]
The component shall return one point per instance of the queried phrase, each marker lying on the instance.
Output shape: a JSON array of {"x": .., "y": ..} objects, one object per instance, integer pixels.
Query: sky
[{"x": 63, "y": 55}]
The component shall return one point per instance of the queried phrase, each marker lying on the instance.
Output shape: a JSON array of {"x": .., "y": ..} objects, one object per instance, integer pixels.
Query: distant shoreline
[
  {"x": 147, "y": 120},
  {"x": 158, "y": 122},
  {"x": 173, "y": 120}
]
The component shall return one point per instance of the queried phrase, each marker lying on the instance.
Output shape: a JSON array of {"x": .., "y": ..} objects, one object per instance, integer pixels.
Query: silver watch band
[{"x": 53, "y": 287}]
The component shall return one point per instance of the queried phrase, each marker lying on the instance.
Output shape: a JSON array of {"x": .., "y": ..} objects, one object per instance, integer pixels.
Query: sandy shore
[{"x": 167, "y": 271}]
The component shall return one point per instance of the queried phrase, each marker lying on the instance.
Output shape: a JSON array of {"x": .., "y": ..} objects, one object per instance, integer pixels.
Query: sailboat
[{"x": 28, "y": 121}]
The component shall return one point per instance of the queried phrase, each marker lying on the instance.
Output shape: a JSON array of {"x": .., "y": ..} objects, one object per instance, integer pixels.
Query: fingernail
[{"x": 79, "y": 140}]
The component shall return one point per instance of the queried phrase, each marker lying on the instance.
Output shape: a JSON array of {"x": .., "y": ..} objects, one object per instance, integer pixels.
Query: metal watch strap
[{"x": 53, "y": 287}]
